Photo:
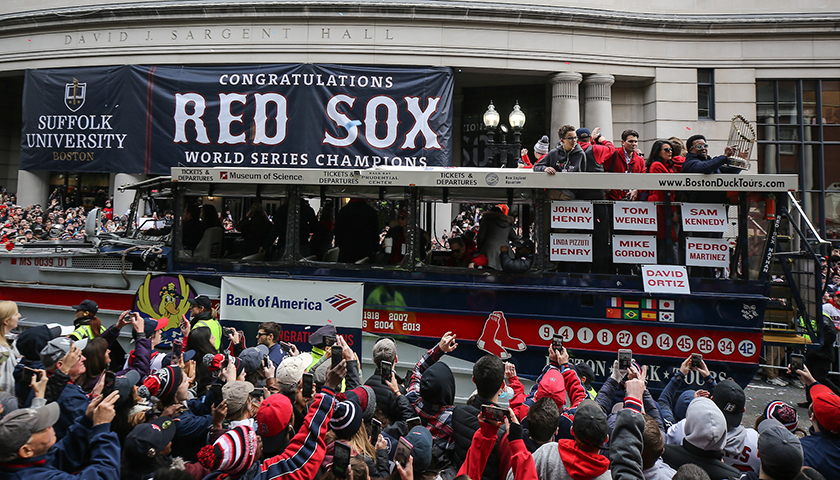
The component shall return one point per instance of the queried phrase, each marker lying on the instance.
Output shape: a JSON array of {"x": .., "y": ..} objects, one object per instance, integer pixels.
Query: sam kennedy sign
[{"x": 138, "y": 119}]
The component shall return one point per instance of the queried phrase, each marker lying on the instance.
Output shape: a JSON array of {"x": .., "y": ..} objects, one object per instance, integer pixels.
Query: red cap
[
  {"x": 826, "y": 407},
  {"x": 552, "y": 385},
  {"x": 274, "y": 415}
]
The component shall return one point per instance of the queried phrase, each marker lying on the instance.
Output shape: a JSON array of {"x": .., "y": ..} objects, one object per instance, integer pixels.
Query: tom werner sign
[{"x": 147, "y": 119}]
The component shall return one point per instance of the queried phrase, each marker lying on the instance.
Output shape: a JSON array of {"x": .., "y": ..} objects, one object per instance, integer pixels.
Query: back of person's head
[
  {"x": 437, "y": 387},
  {"x": 705, "y": 425},
  {"x": 456, "y": 241},
  {"x": 780, "y": 450},
  {"x": 543, "y": 418},
  {"x": 590, "y": 425},
  {"x": 731, "y": 400},
  {"x": 385, "y": 349},
  {"x": 256, "y": 210},
  {"x": 690, "y": 471},
  {"x": 488, "y": 375},
  {"x": 194, "y": 210},
  {"x": 199, "y": 340},
  {"x": 654, "y": 443}
]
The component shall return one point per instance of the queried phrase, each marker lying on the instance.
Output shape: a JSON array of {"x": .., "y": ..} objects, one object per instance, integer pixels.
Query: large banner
[
  {"x": 142, "y": 119},
  {"x": 297, "y": 302}
]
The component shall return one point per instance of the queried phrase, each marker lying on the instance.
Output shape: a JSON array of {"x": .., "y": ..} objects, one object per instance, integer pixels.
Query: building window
[
  {"x": 798, "y": 126},
  {"x": 705, "y": 94}
]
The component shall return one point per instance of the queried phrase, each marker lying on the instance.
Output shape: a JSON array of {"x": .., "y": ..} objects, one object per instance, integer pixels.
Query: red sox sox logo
[{"x": 495, "y": 338}]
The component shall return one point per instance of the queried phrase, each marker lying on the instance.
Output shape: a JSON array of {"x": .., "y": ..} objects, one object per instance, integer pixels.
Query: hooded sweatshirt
[
  {"x": 431, "y": 391},
  {"x": 562, "y": 161},
  {"x": 563, "y": 460}
]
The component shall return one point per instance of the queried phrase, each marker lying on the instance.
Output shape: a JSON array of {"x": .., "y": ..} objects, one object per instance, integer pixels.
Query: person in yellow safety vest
[
  {"x": 86, "y": 322},
  {"x": 202, "y": 317},
  {"x": 804, "y": 331},
  {"x": 320, "y": 340}
]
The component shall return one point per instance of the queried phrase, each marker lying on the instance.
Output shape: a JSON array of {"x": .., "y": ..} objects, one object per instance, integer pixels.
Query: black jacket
[
  {"x": 696, "y": 164},
  {"x": 515, "y": 265},
  {"x": 386, "y": 401},
  {"x": 678, "y": 455},
  {"x": 464, "y": 426}
]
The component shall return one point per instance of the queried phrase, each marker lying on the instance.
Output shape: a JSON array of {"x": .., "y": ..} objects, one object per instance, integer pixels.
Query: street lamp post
[{"x": 507, "y": 153}]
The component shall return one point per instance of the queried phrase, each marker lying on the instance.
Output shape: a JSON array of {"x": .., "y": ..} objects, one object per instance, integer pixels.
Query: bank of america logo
[
  {"x": 340, "y": 302},
  {"x": 74, "y": 95}
]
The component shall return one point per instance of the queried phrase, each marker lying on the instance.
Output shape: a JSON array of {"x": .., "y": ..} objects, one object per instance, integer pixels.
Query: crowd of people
[
  {"x": 59, "y": 221},
  {"x": 210, "y": 407}
]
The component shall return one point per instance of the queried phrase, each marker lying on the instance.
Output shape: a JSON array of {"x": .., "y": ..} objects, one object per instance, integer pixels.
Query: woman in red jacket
[{"x": 660, "y": 161}]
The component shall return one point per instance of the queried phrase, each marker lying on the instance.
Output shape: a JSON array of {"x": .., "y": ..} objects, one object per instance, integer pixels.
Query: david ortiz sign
[{"x": 147, "y": 119}]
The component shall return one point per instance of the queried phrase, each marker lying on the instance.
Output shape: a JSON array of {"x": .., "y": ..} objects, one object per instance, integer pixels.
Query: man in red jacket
[{"x": 624, "y": 160}]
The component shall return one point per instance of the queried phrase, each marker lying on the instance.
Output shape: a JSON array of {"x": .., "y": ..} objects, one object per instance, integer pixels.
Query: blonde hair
[
  {"x": 359, "y": 442},
  {"x": 7, "y": 311}
]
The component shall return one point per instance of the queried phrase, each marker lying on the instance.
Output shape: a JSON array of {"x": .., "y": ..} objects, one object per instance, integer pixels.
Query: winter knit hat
[
  {"x": 162, "y": 384},
  {"x": 366, "y": 399},
  {"x": 346, "y": 419},
  {"x": 233, "y": 453},
  {"x": 784, "y": 413},
  {"x": 541, "y": 147},
  {"x": 214, "y": 363}
]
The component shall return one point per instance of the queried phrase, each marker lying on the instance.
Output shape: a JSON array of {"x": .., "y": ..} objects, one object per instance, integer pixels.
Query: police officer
[
  {"x": 86, "y": 322},
  {"x": 202, "y": 317}
]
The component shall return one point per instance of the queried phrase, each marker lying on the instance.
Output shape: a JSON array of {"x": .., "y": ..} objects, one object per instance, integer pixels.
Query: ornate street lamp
[{"x": 507, "y": 154}]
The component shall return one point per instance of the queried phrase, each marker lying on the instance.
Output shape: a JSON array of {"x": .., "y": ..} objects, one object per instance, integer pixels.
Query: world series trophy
[{"x": 741, "y": 139}]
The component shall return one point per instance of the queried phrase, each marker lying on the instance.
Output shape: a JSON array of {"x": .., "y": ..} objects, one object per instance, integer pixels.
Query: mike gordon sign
[{"x": 147, "y": 119}]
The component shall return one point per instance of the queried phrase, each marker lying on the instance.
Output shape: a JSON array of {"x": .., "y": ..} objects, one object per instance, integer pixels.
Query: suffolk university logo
[{"x": 74, "y": 95}]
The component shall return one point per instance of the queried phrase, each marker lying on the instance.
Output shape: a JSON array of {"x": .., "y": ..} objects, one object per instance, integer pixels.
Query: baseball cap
[
  {"x": 201, "y": 301},
  {"x": 17, "y": 427},
  {"x": 552, "y": 385},
  {"x": 150, "y": 326},
  {"x": 31, "y": 341},
  {"x": 57, "y": 348},
  {"x": 274, "y": 415},
  {"x": 590, "y": 423},
  {"x": 780, "y": 450},
  {"x": 252, "y": 358},
  {"x": 291, "y": 369},
  {"x": 826, "y": 407},
  {"x": 236, "y": 393},
  {"x": 583, "y": 132},
  {"x": 421, "y": 447},
  {"x": 317, "y": 336},
  {"x": 705, "y": 425},
  {"x": 730, "y": 398},
  {"x": 87, "y": 306},
  {"x": 124, "y": 384},
  {"x": 147, "y": 439}
]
